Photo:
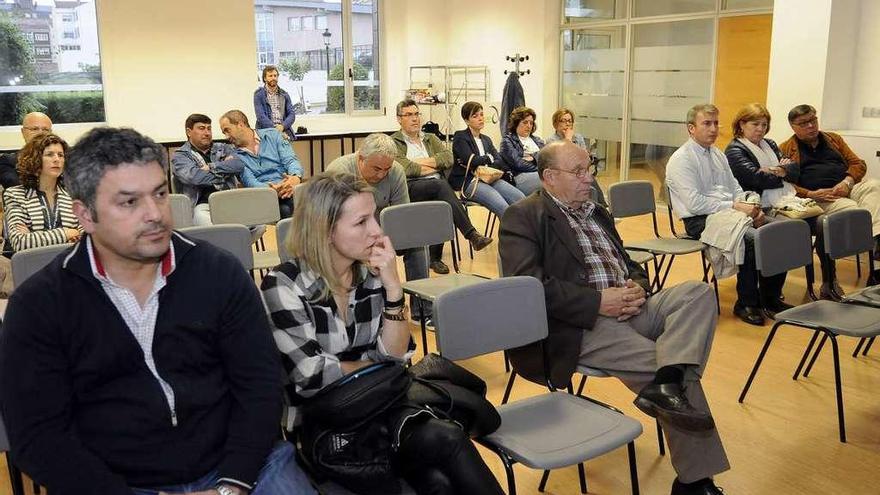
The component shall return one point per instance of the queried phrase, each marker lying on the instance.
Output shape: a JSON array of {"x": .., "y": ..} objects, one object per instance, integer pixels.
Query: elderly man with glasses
[
  {"x": 600, "y": 315},
  {"x": 33, "y": 124},
  {"x": 831, "y": 173}
]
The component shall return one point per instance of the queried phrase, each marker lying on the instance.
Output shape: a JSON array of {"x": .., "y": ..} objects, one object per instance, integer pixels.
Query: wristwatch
[{"x": 225, "y": 490}]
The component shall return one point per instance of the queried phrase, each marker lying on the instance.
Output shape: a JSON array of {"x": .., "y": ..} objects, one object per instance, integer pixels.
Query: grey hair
[
  {"x": 378, "y": 144},
  {"x": 707, "y": 108},
  {"x": 105, "y": 148}
]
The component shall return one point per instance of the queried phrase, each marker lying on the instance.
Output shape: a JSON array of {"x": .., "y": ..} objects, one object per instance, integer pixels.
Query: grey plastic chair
[
  {"x": 780, "y": 247},
  {"x": 547, "y": 431},
  {"x": 29, "y": 261},
  {"x": 181, "y": 210},
  {"x": 234, "y": 238},
  {"x": 636, "y": 198},
  {"x": 282, "y": 230},
  {"x": 419, "y": 225},
  {"x": 248, "y": 206}
]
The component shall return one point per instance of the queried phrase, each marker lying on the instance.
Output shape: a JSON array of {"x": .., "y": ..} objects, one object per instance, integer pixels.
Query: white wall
[
  {"x": 867, "y": 74},
  {"x": 160, "y": 65},
  {"x": 840, "y": 65}
]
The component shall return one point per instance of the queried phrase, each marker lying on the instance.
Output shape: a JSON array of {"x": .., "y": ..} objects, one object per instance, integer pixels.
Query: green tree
[
  {"x": 365, "y": 98},
  {"x": 16, "y": 64},
  {"x": 295, "y": 67}
]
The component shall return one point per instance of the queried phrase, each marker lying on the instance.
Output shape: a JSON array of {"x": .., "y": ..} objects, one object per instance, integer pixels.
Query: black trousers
[
  {"x": 285, "y": 207},
  {"x": 440, "y": 190},
  {"x": 751, "y": 289},
  {"x": 437, "y": 458}
]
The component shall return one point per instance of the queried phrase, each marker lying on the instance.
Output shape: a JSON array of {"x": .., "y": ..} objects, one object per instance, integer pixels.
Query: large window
[
  {"x": 50, "y": 62},
  {"x": 327, "y": 52}
]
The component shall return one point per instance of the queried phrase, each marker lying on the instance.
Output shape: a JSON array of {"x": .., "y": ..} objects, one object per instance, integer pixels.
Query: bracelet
[
  {"x": 394, "y": 304},
  {"x": 397, "y": 316}
]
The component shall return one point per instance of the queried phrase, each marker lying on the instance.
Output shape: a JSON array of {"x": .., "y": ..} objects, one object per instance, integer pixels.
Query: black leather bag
[{"x": 344, "y": 435}]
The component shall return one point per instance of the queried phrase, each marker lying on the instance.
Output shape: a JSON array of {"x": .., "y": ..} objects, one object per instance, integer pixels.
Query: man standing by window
[{"x": 272, "y": 105}]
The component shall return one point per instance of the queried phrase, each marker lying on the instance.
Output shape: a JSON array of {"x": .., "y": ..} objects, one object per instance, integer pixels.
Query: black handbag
[{"x": 344, "y": 435}]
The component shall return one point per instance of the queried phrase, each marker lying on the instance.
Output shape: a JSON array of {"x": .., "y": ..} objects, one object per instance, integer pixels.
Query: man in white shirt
[{"x": 701, "y": 183}]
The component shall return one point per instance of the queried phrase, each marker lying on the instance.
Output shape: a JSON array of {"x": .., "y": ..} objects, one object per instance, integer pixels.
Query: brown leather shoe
[{"x": 479, "y": 241}]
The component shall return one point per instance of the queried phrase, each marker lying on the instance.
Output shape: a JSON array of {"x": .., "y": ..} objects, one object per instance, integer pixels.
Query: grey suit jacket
[{"x": 537, "y": 240}]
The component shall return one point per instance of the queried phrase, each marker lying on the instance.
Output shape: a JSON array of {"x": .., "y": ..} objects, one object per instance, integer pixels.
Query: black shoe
[
  {"x": 667, "y": 401},
  {"x": 439, "y": 267},
  {"x": 831, "y": 292},
  {"x": 775, "y": 306},
  {"x": 703, "y": 487},
  {"x": 479, "y": 241},
  {"x": 749, "y": 314}
]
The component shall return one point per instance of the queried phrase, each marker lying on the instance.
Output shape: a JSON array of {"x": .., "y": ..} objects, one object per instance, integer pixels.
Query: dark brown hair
[
  {"x": 518, "y": 115},
  {"x": 469, "y": 109},
  {"x": 30, "y": 158}
]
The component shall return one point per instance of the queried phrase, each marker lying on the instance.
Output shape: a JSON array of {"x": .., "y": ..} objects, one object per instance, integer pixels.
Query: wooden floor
[{"x": 783, "y": 440}]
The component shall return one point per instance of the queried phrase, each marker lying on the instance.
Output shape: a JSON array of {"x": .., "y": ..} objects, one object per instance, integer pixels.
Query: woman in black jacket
[{"x": 471, "y": 142}]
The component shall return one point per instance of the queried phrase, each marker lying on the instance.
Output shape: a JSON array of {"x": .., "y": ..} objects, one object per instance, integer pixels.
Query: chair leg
[
  {"x": 816, "y": 355},
  {"x": 633, "y": 472},
  {"x": 581, "y": 386},
  {"x": 509, "y": 388},
  {"x": 661, "y": 444},
  {"x": 582, "y": 475},
  {"x": 15, "y": 478},
  {"x": 506, "y": 362},
  {"x": 666, "y": 272},
  {"x": 840, "y": 420},
  {"x": 508, "y": 468},
  {"x": 544, "y": 477},
  {"x": 745, "y": 390},
  {"x": 809, "y": 348},
  {"x": 858, "y": 266},
  {"x": 868, "y": 347},
  {"x": 423, "y": 325},
  {"x": 858, "y": 348}
]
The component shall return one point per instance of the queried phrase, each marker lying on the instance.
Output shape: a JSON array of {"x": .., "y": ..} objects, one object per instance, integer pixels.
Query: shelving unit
[{"x": 455, "y": 84}]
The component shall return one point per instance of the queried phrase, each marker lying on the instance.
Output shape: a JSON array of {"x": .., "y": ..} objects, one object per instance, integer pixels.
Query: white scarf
[{"x": 767, "y": 158}]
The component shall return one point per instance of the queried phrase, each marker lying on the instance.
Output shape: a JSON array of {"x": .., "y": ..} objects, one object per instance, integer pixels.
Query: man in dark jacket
[
  {"x": 600, "y": 316},
  {"x": 140, "y": 361},
  {"x": 273, "y": 106}
]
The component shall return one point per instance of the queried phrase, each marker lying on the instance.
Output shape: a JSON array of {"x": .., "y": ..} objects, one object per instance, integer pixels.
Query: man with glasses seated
[
  {"x": 426, "y": 161},
  {"x": 831, "y": 174},
  {"x": 599, "y": 314},
  {"x": 33, "y": 124}
]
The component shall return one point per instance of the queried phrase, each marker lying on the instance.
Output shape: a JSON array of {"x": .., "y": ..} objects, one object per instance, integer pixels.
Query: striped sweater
[{"x": 22, "y": 207}]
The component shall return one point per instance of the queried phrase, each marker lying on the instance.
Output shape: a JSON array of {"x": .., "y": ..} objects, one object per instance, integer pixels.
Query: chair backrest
[
  {"x": 783, "y": 245},
  {"x": 282, "y": 230},
  {"x": 418, "y": 224},
  {"x": 490, "y": 316},
  {"x": 847, "y": 232},
  {"x": 248, "y": 206},
  {"x": 29, "y": 261},
  {"x": 234, "y": 238},
  {"x": 181, "y": 210},
  {"x": 631, "y": 198}
]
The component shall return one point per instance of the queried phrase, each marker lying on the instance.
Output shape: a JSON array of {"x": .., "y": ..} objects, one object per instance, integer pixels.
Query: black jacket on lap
[
  {"x": 745, "y": 167},
  {"x": 84, "y": 413}
]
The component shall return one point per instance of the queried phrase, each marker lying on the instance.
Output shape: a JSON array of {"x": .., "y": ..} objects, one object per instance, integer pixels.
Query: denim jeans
[
  {"x": 280, "y": 476},
  {"x": 527, "y": 182},
  {"x": 496, "y": 197}
]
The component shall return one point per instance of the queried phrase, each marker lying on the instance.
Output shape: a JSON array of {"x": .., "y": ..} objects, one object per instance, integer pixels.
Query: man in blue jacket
[
  {"x": 140, "y": 361},
  {"x": 273, "y": 106},
  {"x": 269, "y": 160},
  {"x": 202, "y": 166}
]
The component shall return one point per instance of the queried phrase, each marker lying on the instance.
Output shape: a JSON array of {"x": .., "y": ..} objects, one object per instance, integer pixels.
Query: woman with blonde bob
[
  {"x": 338, "y": 306},
  {"x": 756, "y": 161}
]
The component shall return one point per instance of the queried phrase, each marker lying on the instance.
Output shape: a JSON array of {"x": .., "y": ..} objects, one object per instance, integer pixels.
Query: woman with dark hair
[
  {"x": 39, "y": 212},
  {"x": 520, "y": 147},
  {"x": 338, "y": 306},
  {"x": 471, "y": 147}
]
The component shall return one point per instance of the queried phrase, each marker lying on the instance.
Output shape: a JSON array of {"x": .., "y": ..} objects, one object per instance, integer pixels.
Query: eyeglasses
[
  {"x": 565, "y": 121},
  {"x": 807, "y": 123},
  {"x": 410, "y": 114},
  {"x": 37, "y": 129},
  {"x": 580, "y": 173}
]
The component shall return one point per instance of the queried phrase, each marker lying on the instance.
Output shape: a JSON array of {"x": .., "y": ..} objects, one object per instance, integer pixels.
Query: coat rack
[{"x": 516, "y": 59}]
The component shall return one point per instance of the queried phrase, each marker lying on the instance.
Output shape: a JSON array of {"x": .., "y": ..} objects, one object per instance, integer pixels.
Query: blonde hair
[
  {"x": 749, "y": 113},
  {"x": 557, "y": 115},
  {"x": 317, "y": 207}
]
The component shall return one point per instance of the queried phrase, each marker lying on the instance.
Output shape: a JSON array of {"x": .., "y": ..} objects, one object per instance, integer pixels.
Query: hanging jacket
[{"x": 512, "y": 97}]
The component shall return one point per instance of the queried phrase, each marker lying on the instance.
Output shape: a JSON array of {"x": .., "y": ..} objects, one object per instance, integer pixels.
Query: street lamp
[{"x": 327, "y": 34}]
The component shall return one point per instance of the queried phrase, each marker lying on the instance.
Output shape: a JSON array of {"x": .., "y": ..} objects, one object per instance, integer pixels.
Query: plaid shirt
[
  {"x": 605, "y": 265},
  {"x": 276, "y": 104},
  {"x": 313, "y": 338}
]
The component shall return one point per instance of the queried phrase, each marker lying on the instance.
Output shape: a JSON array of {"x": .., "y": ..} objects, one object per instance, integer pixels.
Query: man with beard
[
  {"x": 273, "y": 106},
  {"x": 140, "y": 361}
]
